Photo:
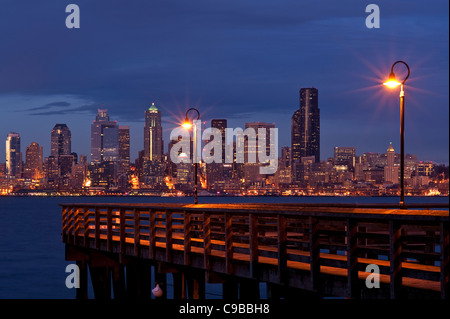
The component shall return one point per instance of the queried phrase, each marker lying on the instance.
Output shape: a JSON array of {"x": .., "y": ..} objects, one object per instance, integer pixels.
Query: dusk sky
[{"x": 240, "y": 60}]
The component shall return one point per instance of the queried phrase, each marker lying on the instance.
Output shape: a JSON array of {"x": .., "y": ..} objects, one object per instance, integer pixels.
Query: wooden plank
[
  {"x": 353, "y": 289},
  {"x": 228, "y": 243},
  {"x": 444, "y": 259},
  {"x": 206, "y": 241},
  {"x": 169, "y": 239},
  {"x": 253, "y": 242},
  {"x": 395, "y": 251},
  {"x": 187, "y": 238},
  {"x": 282, "y": 254}
]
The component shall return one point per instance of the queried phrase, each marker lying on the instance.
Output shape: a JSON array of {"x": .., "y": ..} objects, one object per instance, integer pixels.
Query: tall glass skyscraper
[
  {"x": 305, "y": 126},
  {"x": 153, "y": 170},
  {"x": 13, "y": 155},
  {"x": 153, "y": 142},
  {"x": 61, "y": 140},
  {"x": 104, "y": 139}
]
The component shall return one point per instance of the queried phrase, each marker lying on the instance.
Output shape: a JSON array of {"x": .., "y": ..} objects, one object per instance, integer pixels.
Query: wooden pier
[{"x": 297, "y": 250}]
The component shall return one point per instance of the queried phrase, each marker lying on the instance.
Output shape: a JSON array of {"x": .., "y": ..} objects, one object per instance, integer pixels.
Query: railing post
[
  {"x": 122, "y": 232},
  {"x": 137, "y": 231},
  {"x": 444, "y": 259},
  {"x": 169, "y": 240},
  {"x": 282, "y": 252},
  {"x": 187, "y": 238},
  {"x": 395, "y": 251},
  {"x": 207, "y": 240},
  {"x": 64, "y": 224},
  {"x": 77, "y": 221},
  {"x": 228, "y": 243},
  {"x": 71, "y": 226},
  {"x": 353, "y": 290},
  {"x": 86, "y": 225},
  {"x": 109, "y": 229},
  {"x": 253, "y": 234},
  {"x": 97, "y": 228},
  {"x": 314, "y": 253},
  {"x": 152, "y": 233}
]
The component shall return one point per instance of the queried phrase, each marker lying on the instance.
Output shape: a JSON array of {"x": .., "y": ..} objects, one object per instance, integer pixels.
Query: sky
[{"x": 242, "y": 60}]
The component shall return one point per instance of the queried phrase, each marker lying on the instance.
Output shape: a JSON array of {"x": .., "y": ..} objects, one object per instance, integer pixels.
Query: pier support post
[
  {"x": 101, "y": 282},
  {"x": 196, "y": 285},
  {"x": 273, "y": 291},
  {"x": 179, "y": 286},
  {"x": 118, "y": 281},
  {"x": 248, "y": 289},
  {"x": 82, "y": 292},
  {"x": 230, "y": 289}
]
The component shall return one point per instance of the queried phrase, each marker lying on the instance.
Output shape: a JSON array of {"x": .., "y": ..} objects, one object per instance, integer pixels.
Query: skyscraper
[
  {"x": 104, "y": 138},
  {"x": 391, "y": 172},
  {"x": 61, "y": 140},
  {"x": 13, "y": 155},
  {"x": 104, "y": 150},
  {"x": 33, "y": 161},
  {"x": 153, "y": 170},
  {"x": 252, "y": 170},
  {"x": 216, "y": 172},
  {"x": 153, "y": 142},
  {"x": 124, "y": 156},
  {"x": 305, "y": 126},
  {"x": 221, "y": 125}
]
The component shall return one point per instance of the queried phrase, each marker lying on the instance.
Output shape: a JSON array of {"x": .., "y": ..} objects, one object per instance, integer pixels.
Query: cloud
[
  {"x": 88, "y": 108},
  {"x": 48, "y": 106}
]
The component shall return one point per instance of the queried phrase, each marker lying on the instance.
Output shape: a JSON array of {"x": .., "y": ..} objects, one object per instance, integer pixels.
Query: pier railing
[{"x": 323, "y": 249}]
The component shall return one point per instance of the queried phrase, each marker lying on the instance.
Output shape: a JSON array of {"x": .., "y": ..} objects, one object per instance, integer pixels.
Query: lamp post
[
  {"x": 393, "y": 83},
  {"x": 187, "y": 125}
]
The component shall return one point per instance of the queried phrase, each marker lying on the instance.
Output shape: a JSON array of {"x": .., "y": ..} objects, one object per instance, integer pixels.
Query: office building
[
  {"x": 61, "y": 140},
  {"x": 391, "y": 171},
  {"x": 13, "y": 156},
  {"x": 104, "y": 138},
  {"x": 33, "y": 168},
  {"x": 305, "y": 126}
]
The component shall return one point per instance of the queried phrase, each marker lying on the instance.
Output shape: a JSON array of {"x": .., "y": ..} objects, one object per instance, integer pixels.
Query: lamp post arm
[{"x": 407, "y": 67}]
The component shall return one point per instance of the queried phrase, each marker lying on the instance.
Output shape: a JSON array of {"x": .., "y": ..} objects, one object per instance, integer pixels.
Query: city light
[
  {"x": 392, "y": 81},
  {"x": 186, "y": 125}
]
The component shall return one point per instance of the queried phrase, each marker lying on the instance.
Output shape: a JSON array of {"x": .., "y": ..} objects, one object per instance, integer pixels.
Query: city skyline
[
  {"x": 239, "y": 61},
  {"x": 252, "y": 169},
  {"x": 60, "y": 142}
]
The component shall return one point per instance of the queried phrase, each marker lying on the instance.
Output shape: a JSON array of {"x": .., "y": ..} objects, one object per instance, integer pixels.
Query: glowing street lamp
[
  {"x": 392, "y": 82},
  {"x": 187, "y": 125}
]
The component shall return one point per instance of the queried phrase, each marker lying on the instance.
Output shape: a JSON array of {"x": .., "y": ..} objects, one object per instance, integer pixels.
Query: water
[{"x": 32, "y": 264}]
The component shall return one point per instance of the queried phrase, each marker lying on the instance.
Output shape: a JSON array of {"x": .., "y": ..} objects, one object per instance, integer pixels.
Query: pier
[{"x": 298, "y": 250}]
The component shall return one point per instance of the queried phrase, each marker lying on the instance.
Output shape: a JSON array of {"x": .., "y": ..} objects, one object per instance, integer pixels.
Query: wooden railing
[{"x": 299, "y": 246}]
